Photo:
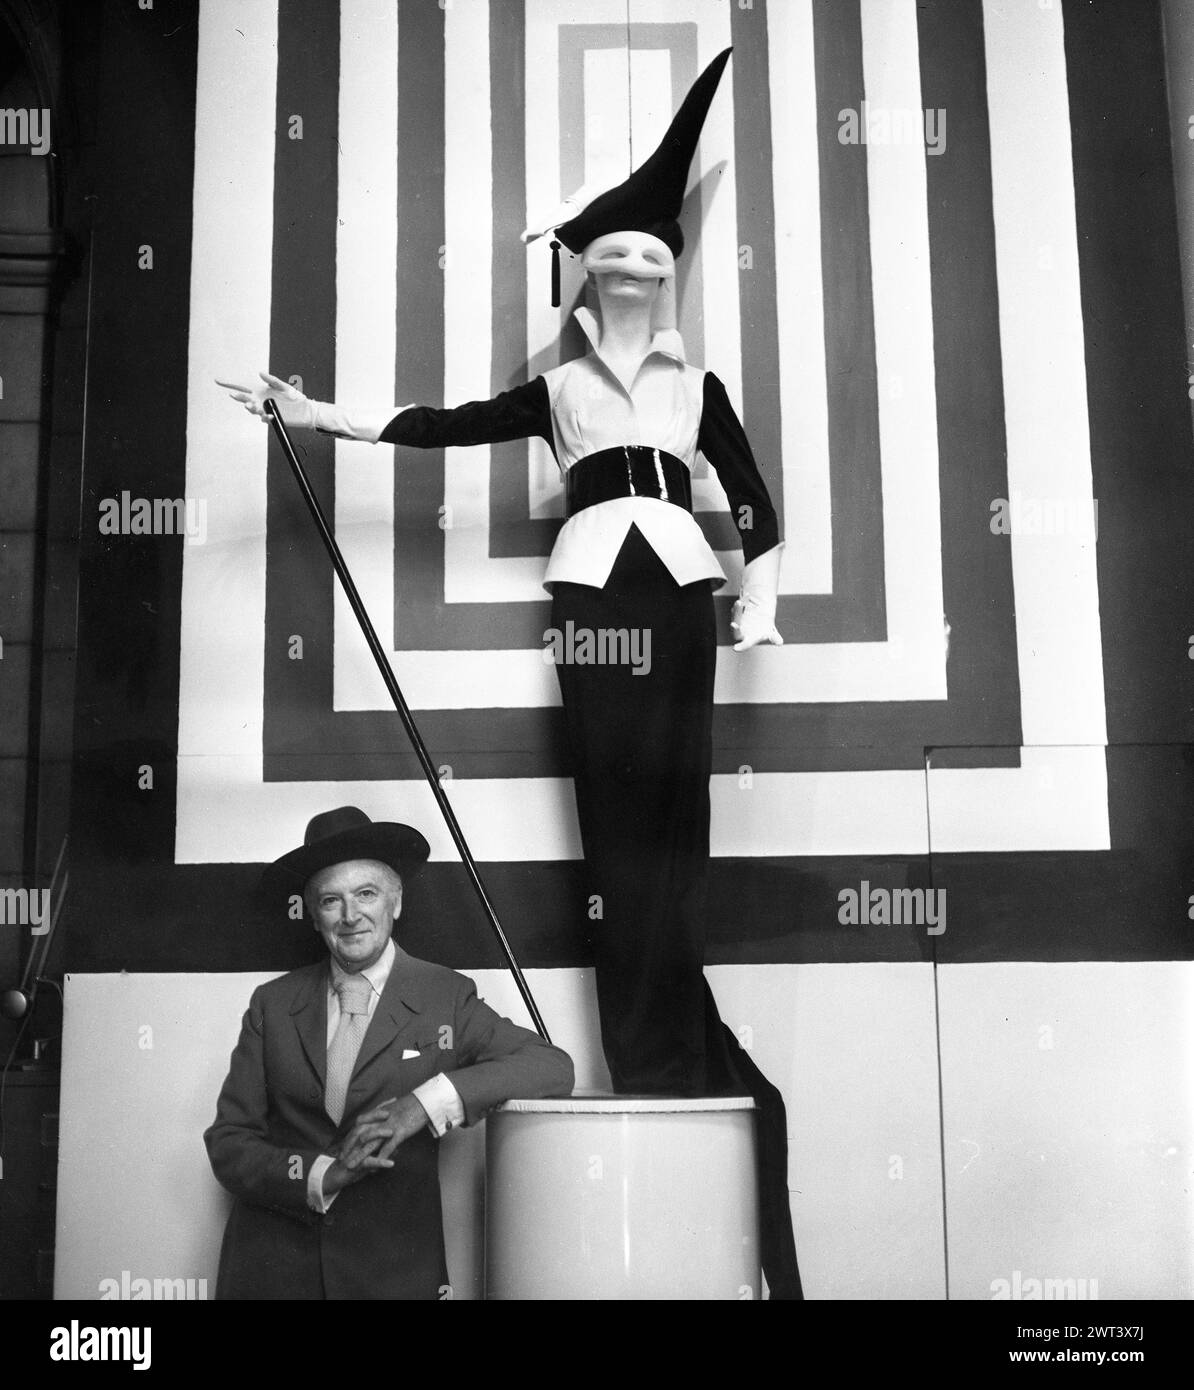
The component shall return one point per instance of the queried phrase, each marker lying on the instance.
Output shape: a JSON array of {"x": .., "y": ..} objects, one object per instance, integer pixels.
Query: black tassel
[{"x": 555, "y": 274}]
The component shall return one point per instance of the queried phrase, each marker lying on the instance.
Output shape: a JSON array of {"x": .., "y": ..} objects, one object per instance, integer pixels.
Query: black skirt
[
  {"x": 640, "y": 730},
  {"x": 640, "y": 733}
]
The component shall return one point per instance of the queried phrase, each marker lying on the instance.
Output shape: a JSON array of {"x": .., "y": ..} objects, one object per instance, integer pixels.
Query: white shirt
[
  {"x": 582, "y": 408},
  {"x": 436, "y": 1095},
  {"x": 591, "y": 410}
]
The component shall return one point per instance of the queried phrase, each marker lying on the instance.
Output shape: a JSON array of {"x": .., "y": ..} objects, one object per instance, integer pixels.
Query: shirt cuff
[
  {"x": 441, "y": 1100},
  {"x": 315, "y": 1198}
]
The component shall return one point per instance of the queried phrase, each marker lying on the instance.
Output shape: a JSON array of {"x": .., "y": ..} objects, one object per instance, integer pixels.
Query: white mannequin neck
[{"x": 625, "y": 327}]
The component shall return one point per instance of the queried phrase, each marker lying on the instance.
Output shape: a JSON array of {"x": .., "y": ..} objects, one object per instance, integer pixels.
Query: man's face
[{"x": 355, "y": 906}]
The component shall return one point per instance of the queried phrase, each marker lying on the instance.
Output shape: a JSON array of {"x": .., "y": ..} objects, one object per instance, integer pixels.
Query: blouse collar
[{"x": 666, "y": 341}]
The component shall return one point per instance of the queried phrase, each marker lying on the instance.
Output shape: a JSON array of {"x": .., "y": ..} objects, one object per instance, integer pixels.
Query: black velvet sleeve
[
  {"x": 523, "y": 413},
  {"x": 723, "y": 442}
]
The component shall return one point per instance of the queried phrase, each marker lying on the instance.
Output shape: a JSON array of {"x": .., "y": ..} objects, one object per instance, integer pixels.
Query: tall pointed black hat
[{"x": 651, "y": 198}]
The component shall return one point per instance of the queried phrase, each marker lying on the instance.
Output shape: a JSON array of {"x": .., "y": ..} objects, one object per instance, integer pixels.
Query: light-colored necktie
[{"x": 353, "y": 992}]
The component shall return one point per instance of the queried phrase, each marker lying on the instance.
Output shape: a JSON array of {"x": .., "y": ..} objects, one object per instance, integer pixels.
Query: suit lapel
[
  {"x": 310, "y": 1014},
  {"x": 398, "y": 1007}
]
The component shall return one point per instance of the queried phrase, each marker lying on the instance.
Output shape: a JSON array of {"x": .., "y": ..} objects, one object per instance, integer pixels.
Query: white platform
[{"x": 622, "y": 1197}]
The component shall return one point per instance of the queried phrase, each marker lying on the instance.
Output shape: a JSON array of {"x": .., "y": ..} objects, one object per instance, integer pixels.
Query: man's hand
[
  {"x": 377, "y": 1133},
  {"x": 338, "y": 1176}
]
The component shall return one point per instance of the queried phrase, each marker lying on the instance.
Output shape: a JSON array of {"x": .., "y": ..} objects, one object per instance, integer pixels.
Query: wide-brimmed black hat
[{"x": 334, "y": 837}]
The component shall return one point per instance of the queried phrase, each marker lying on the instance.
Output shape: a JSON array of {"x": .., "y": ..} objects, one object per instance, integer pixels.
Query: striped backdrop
[{"x": 910, "y": 335}]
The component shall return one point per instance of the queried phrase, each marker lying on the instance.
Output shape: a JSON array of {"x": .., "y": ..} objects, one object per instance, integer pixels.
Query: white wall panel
[{"x": 1068, "y": 1098}]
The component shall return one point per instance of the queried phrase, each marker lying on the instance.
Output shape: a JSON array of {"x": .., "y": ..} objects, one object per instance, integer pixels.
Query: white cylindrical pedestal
[{"x": 621, "y": 1197}]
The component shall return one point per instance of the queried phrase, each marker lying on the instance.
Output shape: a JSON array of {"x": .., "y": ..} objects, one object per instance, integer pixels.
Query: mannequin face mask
[{"x": 637, "y": 255}]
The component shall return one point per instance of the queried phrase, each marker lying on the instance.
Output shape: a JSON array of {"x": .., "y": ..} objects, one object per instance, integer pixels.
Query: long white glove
[
  {"x": 754, "y": 611},
  {"x": 300, "y": 411}
]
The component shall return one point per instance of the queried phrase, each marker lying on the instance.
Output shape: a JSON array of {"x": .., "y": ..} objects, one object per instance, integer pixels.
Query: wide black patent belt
[{"x": 631, "y": 470}]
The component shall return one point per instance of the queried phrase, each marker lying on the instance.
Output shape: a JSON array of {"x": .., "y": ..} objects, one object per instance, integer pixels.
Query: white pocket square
[{"x": 409, "y": 1052}]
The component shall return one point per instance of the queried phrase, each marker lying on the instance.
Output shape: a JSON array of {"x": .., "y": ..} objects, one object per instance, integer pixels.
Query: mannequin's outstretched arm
[
  {"x": 518, "y": 414},
  {"x": 299, "y": 411}
]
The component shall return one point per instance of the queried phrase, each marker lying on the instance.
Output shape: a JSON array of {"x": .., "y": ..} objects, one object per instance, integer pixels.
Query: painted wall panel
[
  {"x": 850, "y": 1046},
  {"x": 1068, "y": 1104}
]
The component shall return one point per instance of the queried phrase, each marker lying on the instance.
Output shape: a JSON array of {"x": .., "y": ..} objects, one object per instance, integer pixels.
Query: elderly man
[{"x": 344, "y": 1076}]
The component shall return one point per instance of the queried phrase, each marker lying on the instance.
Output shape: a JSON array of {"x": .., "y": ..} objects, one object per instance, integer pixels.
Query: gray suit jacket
[{"x": 383, "y": 1237}]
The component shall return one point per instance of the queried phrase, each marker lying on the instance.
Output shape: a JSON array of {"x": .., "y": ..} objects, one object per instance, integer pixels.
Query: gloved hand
[
  {"x": 754, "y": 611},
  {"x": 299, "y": 410},
  {"x": 293, "y": 406},
  {"x": 754, "y": 624}
]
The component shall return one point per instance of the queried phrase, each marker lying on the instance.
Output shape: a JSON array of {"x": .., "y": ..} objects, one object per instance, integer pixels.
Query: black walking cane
[{"x": 403, "y": 709}]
